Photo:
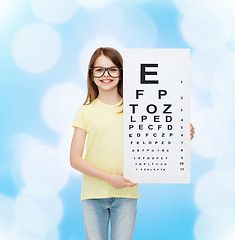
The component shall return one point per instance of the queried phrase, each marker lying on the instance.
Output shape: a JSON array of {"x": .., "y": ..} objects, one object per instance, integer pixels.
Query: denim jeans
[{"x": 121, "y": 212}]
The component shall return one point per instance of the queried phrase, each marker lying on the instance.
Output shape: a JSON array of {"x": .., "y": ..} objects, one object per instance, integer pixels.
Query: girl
[{"x": 105, "y": 193}]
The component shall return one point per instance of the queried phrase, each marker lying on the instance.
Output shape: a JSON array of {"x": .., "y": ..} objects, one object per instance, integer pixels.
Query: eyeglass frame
[{"x": 105, "y": 69}]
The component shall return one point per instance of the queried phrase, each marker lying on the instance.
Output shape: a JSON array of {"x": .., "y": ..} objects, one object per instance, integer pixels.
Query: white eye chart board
[{"x": 156, "y": 115}]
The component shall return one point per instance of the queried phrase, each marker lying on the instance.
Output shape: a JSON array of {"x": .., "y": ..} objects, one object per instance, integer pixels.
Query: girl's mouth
[{"x": 106, "y": 81}]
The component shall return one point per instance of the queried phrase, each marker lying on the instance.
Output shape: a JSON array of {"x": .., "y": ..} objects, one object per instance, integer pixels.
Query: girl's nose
[{"x": 106, "y": 73}]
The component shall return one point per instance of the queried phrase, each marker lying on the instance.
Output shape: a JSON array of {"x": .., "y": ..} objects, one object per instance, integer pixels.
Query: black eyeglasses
[{"x": 98, "y": 71}]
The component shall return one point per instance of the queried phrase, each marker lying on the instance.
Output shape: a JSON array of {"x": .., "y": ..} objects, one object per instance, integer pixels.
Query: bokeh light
[
  {"x": 93, "y": 4},
  {"x": 46, "y": 213},
  {"x": 44, "y": 159},
  {"x": 54, "y": 11},
  {"x": 36, "y": 47},
  {"x": 59, "y": 104},
  {"x": 203, "y": 26}
]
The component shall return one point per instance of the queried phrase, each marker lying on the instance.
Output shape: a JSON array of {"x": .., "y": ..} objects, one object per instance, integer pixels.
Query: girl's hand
[
  {"x": 118, "y": 181},
  {"x": 191, "y": 131}
]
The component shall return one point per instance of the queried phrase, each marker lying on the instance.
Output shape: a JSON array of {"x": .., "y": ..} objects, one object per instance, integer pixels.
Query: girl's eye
[
  {"x": 113, "y": 69},
  {"x": 98, "y": 69}
]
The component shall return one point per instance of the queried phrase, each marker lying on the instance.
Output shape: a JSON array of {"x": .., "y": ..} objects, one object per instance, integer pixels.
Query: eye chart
[{"x": 156, "y": 115}]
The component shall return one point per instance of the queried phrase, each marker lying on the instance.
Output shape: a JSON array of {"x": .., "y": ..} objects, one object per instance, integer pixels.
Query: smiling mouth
[{"x": 106, "y": 81}]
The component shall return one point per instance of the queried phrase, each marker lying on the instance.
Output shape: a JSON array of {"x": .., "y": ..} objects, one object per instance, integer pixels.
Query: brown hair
[{"x": 116, "y": 58}]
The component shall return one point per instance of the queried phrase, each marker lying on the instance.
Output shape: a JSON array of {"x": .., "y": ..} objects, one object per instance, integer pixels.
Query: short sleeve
[{"x": 80, "y": 119}]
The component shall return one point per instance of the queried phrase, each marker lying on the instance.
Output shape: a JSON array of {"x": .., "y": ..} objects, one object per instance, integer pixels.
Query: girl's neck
[{"x": 109, "y": 97}]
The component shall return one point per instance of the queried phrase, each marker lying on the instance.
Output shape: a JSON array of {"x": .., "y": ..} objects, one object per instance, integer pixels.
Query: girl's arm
[{"x": 77, "y": 162}]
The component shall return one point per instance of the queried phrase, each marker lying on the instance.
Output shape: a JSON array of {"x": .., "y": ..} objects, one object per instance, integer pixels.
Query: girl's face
[{"x": 110, "y": 82}]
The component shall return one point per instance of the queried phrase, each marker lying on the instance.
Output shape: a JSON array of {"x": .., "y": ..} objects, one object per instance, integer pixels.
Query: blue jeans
[{"x": 121, "y": 212}]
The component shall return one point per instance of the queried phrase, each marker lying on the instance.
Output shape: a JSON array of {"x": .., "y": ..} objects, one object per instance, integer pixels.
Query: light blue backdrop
[{"x": 45, "y": 46}]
